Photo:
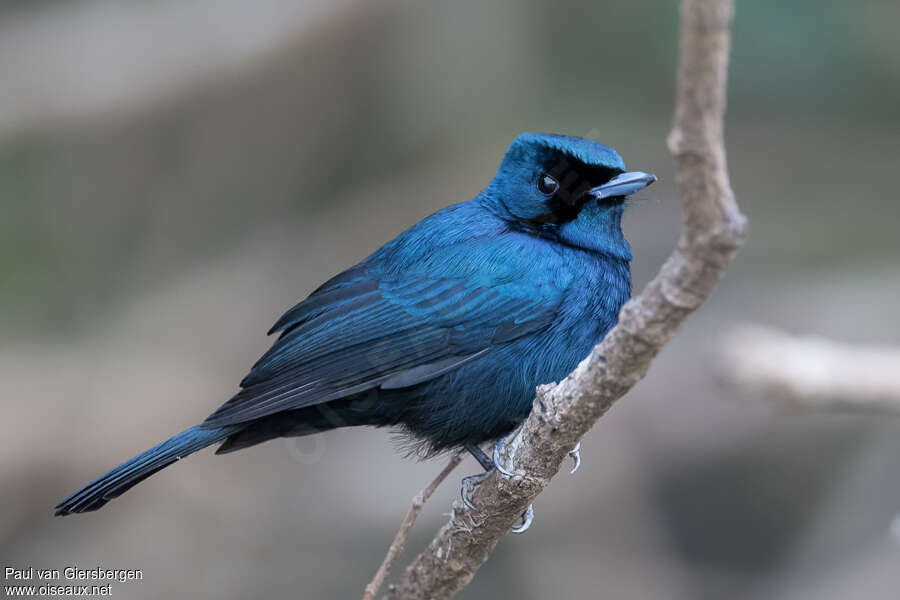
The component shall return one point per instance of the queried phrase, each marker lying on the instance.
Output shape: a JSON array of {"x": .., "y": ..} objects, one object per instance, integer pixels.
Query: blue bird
[{"x": 445, "y": 331}]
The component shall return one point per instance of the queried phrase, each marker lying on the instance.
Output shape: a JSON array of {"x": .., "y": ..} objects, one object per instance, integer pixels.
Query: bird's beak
[{"x": 623, "y": 185}]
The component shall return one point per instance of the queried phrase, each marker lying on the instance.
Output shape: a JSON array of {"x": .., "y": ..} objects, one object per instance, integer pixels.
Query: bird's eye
[{"x": 547, "y": 184}]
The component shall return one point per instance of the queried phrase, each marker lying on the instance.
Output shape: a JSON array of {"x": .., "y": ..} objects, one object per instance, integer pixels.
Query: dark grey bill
[{"x": 623, "y": 185}]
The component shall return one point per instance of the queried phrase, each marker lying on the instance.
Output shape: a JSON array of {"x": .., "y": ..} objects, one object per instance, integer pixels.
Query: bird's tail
[{"x": 130, "y": 473}]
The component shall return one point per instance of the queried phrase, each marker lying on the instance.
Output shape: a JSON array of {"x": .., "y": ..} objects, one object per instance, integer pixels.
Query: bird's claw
[
  {"x": 469, "y": 482},
  {"x": 496, "y": 457},
  {"x": 527, "y": 519},
  {"x": 575, "y": 453},
  {"x": 473, "y": 480}
]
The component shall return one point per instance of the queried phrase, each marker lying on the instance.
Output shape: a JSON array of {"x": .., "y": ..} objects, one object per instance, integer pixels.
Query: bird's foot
[
  {"x": 488, "y": 464},
  {"x": 528, "y": 515},
  {"x": 575, "y": 453},
  {"x": 467, "y": 484},
  {"x": 527, "y": 519},
  {"x": 498, "y": 447},
  {"x": 472, "y": 480}
]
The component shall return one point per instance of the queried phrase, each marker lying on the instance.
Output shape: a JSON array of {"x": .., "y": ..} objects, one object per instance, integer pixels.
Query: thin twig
[
  {"x": 713, "y": 229},
  {"x": 400, "y": 539}
]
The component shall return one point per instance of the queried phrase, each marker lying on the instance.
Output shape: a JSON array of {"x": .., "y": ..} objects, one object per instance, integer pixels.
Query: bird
[{"x": 444, "y": 332}]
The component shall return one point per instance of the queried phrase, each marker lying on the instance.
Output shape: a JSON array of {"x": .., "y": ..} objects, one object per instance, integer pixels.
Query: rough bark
[{"x": 713, "y": 229}]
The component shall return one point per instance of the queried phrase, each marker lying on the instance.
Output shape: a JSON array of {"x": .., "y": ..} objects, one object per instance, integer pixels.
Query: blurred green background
[{"x": 174, "y": 174}]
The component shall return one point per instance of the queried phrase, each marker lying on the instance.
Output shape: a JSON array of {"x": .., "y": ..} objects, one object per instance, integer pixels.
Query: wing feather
[{"x": 357, "y": 333}]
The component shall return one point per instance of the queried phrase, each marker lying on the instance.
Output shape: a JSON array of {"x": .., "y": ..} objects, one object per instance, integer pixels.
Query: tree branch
[
  {"x": 400, "y": 539},
  {"x": 813, "y": 373},
  {"x": 713, "y": 228}
]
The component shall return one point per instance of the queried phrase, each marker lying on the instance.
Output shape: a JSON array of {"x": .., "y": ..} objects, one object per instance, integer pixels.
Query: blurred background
[{"x": 174, "y": 174}]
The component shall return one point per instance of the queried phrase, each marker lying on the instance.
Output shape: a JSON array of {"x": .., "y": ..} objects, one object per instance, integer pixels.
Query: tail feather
[{"x": 130, "y": 473}]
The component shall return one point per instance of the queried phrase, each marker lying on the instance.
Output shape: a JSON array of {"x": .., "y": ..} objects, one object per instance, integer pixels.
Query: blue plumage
[{"x": 446, "y": 330}]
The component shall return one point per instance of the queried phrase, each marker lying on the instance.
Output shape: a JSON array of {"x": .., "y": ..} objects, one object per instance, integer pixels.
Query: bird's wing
[{"x": 357, "y": 333}]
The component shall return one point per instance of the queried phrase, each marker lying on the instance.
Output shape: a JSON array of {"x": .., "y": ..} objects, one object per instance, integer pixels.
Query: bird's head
[{"x": 565, "y": 188}]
